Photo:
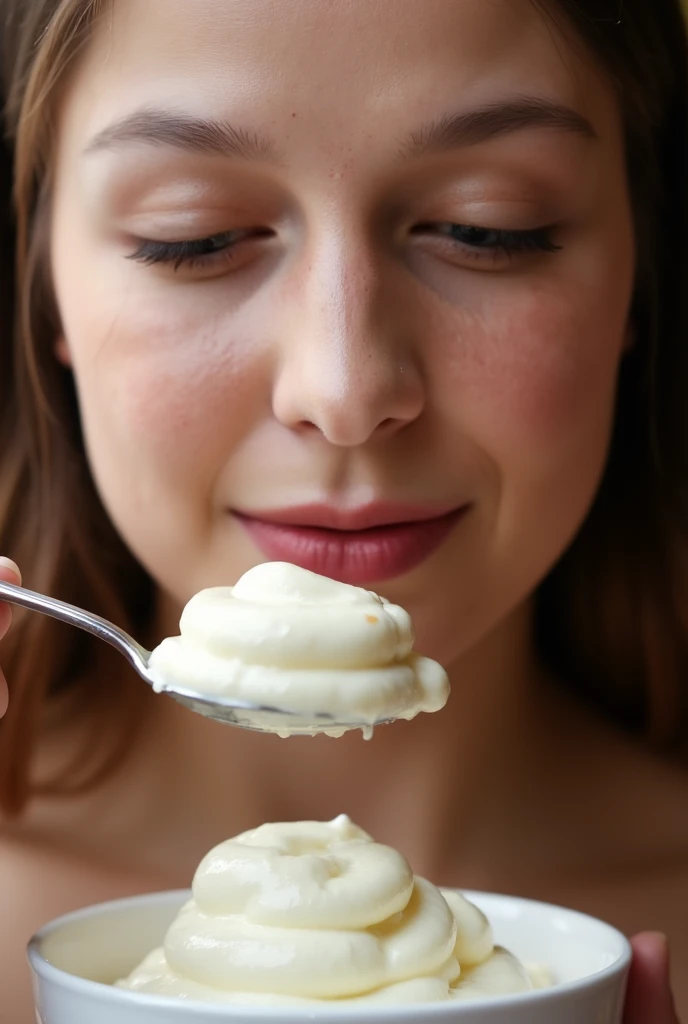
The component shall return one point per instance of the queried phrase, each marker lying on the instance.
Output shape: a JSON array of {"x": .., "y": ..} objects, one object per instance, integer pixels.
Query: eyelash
[
  {"x": 495, "y": 240},
  {"x": 481, "y": 240},
  {"x": 189, "y": 253}
]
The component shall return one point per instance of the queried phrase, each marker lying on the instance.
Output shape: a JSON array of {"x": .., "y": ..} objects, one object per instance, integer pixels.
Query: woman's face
[{"x": 324, "y": 267}]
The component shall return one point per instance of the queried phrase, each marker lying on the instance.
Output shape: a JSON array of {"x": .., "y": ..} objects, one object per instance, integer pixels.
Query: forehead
[{"x": 349, "y": 69}]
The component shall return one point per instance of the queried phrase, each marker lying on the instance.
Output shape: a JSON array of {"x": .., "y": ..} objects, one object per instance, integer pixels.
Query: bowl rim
[{"x": 402, "y": 1012}]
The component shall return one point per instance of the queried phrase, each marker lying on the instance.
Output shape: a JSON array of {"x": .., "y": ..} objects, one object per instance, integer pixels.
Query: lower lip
[{"x": 356, "y": 556}]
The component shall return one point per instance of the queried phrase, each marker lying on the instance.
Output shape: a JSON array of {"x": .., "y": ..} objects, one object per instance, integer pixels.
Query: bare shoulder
[{"x": 38, "y": 883}]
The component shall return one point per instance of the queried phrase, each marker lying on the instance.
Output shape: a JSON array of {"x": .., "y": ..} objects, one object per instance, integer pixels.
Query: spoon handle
[{"x": 136, "y": 655}]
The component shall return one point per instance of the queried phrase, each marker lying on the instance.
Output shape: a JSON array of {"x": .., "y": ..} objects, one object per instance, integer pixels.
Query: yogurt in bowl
[
  {"x": 305, "y": 913},
  {"x": 309, "y": 921}
]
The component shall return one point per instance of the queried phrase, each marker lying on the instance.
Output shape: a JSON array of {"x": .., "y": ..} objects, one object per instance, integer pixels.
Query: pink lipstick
[{"x": 369, "y": 544}]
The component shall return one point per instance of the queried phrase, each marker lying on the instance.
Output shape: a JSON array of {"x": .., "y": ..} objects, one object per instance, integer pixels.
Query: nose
[{"x": 347, "y": 366}]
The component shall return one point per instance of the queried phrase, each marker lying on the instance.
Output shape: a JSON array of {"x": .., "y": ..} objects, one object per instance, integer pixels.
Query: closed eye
[
  {"x": 194, "y": 251},
  {"x": 492, "y": 240}
]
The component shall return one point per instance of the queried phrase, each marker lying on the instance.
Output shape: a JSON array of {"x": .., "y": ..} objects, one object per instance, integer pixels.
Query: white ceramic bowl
[{"x": 76, "y": 958}]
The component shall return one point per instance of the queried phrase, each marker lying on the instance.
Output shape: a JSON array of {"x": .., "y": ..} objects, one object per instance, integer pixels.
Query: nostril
[
  {"x": 387, "y": 424},
  {"x": 308, "y": 426}
]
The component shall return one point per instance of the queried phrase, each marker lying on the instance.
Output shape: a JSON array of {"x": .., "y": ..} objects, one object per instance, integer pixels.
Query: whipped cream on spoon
[{"x": 284, "y": 651}]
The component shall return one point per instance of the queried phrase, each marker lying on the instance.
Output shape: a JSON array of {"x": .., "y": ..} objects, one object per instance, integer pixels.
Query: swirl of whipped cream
[
  {"x": 318, "y": 911},
  {"x": 286, "y": 637},
  {"x": 304, "y": 875}
]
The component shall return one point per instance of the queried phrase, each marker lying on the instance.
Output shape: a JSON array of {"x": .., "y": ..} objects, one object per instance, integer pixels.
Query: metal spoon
[{"x": 258, "y": 717}]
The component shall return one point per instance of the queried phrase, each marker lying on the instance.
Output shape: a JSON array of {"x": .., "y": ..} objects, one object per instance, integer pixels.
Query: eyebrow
[
  {"x": 180, "y": 131},
  {"x": 471, "y": 127},
  {"x": 220, "y": 138}
]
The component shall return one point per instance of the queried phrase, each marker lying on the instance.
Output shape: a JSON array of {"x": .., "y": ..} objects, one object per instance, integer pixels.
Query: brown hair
[
  {"x": 51, "y": 519},
  {"x": 611, "y": 617}
]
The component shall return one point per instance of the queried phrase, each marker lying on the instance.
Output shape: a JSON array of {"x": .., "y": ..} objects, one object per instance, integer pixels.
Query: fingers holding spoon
[{"x": 9, "y": 572}]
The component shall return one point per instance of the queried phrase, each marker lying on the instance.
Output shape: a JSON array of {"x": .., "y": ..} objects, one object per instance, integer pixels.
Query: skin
[
  {"x": 9, "y": 571},
  {"x": 350, "y": 351}
]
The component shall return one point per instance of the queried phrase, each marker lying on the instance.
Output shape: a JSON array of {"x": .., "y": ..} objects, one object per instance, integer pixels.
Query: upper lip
[{"x": 363, "y": 517}]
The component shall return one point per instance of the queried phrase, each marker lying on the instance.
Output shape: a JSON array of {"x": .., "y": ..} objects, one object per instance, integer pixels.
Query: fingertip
[
  {"x": 9, "y": 573},
  {"x": 8, "y": 564},
  {"x": 652, "y": 946}
]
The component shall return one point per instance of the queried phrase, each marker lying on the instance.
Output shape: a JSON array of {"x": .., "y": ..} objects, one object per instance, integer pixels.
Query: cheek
[
  {"x": 168, "y": 377},
  {"x": 170, "y": 394},
  {"x": 534, "y": 382},
  {"x": 526, "y": 390}
]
